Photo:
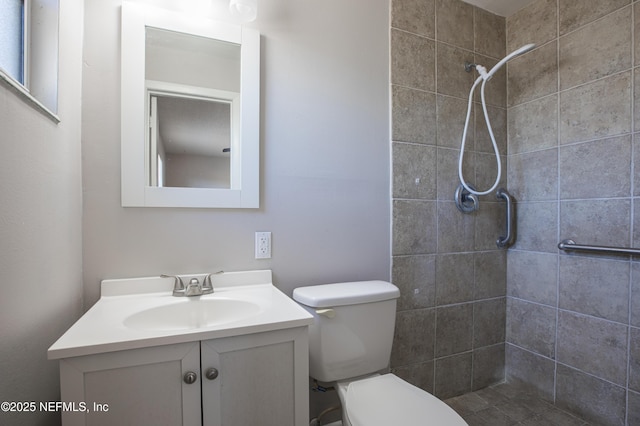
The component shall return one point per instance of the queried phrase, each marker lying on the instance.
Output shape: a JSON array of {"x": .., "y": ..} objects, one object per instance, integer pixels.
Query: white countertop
[{"x": 101, "y": 328}]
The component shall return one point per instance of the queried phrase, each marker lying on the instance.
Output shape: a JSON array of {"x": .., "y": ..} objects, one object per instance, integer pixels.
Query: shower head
[{"x": 524, "y": 49}]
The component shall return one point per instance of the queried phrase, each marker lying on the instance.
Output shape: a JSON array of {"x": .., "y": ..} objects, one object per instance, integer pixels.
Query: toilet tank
[{"x": 352, "y": 330}]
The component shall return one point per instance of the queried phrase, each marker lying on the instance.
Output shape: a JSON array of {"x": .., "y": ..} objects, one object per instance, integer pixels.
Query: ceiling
[
  {"x": 501, "y": 7},
  {"x": 194, "y": 126}
]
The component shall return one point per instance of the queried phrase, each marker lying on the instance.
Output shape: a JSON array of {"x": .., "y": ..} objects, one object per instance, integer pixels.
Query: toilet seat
[{"x": 388, "y": 400}]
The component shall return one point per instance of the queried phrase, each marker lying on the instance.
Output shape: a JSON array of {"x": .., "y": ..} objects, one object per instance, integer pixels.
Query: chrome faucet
[{"x": 194, "y": 288}]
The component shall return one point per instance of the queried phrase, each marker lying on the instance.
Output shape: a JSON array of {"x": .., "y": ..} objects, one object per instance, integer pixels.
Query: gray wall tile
[
  {"x": 447, "y": 180},
  {"x": 598, "y": 222},
  {"x": 636, "y": 157},
  {"x": 414, "y": 171},
  {"x": 634, "y": 359},
  {"x": 409, "y": 216},
  {"x": 453, "y": 375},
  {"x": 490, "y": 274},
  {"x": 531, "y": 326},
  {"x": 451, "y": 64},
  {"x": 635, "y": 238},
  {"x": 603, "y": 47},
  {"x": 533, "y": 176},
  {"x": 415, "y": 16},
  {"x": 414, "y": 116},
  {"x": 593, "y": 345},
  {"x": 636, "y": 36},
  {"x": 454, "y": 329},
  {"x": 488, "y": 366},
  {"x": 596, "y": 110},
  {"x": 596, "y": 169},
  {"x": 490, "y": 34},
  {"x": 534, "y": 372},
  {"x": 595, "y": 286},
  {"x": 454, "y": 279},
  {"x": 455, "y": 23},
  {"x": 636, "y": 98},
  {"x": 415, "y": 276},
  {"x": 490, "y": 224},
  {"x": 412, "y": 61},
  {"x": 599, "y": 401},
  {"x": 450, "y": 120},
  {"x": 536, "y": 23},
  {"x": 633, "y": 408},
  {"x": 635, "y": 294},
  {"x": 533, "y": 276},
  {"x": 536, "y": 226},
  {"x": 574, "y": 14},
  {"x": 455, "y": 230},
  {"x": 414, "y": 338},
  {"x": 489, "y": 318},
  {"x": 534, "y": 125},
  {"x": 533, "y": 75}
]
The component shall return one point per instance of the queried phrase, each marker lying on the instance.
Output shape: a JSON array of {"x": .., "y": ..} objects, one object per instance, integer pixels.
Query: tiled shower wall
[
  {"x": 450, "y": 327},
  {"x": 573, "y": 107}
]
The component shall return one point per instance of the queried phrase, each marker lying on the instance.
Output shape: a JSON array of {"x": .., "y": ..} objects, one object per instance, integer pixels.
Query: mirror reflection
[
  {"x": 193, "y": 92},
  {"x": 191, "y": 146}
]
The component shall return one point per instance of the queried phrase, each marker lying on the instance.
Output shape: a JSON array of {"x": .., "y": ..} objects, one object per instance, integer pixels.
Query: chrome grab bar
[
  {"x": 507, "y": 240},
  {"x": 570, "y": 245}
]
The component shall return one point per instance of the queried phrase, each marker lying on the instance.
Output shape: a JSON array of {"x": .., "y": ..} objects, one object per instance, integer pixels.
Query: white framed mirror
[{"x": 190, "y": 102}]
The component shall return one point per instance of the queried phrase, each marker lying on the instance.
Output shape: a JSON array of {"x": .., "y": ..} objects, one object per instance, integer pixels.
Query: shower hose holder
[{"x": 466, "y": 202}]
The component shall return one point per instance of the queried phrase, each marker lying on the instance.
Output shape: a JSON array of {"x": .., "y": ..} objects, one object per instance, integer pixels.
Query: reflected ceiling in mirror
[{"x": 192, "y": 145}]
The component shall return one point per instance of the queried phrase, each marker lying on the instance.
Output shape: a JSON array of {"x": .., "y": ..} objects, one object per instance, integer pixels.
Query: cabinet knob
[
  {"x": 190, "y": 377},
  {"x": 211, "y": 373}
]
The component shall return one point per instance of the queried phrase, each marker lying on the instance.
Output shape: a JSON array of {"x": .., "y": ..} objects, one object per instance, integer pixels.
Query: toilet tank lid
[{"x": 349, "y": 293}]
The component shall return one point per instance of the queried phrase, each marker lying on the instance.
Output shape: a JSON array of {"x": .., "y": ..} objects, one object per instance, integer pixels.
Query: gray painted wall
[
  {"x": 324, "y": 159},
  {"x": 40, "y": 230}
]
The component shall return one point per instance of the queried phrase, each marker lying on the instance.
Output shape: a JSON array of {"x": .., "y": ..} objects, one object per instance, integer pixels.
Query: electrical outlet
[{"x": 263, "y": 245}]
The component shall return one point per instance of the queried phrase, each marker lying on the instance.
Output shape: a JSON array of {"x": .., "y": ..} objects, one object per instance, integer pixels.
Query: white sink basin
[
  {"x": 192, "y": 313},
  {"x": 141, "y": 312}
]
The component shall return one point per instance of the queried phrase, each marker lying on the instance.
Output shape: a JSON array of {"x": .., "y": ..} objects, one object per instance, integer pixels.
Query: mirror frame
[{"x": 135, "y": 188}]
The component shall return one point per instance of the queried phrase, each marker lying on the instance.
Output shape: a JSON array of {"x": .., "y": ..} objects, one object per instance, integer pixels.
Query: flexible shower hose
[
  {"x": 484, "y": 77},
  {"x": 493, "y": 139}
]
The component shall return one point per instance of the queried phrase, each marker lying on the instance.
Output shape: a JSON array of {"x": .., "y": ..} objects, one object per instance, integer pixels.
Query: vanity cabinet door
[
  {"x": 260, "y": 379},
  {"x": 134, "y": 387}
]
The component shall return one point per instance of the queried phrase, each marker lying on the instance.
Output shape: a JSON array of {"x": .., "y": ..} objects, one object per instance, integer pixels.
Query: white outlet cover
[{"x": 263, "y": 245}]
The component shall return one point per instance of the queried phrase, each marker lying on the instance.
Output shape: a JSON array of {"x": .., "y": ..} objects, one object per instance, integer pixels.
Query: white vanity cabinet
[{"x": 251, "y": 379}]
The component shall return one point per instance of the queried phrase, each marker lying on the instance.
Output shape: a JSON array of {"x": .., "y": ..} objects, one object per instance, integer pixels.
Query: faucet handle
[
  {"x": 178, "y": 285},
  {"x": 207, "y": 286}
]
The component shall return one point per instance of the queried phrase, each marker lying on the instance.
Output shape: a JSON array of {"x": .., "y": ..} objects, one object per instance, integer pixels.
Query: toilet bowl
[
  {"x": 350, "y": 343},
  {"x": 385, "y": 400}
]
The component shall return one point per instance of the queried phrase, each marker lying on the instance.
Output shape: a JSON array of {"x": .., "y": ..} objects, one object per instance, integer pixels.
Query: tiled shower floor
[{"x": 506, "y": 405}]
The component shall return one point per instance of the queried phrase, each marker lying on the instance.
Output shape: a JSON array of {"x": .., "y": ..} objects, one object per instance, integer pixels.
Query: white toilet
[{"x": 350, "y": 342}]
